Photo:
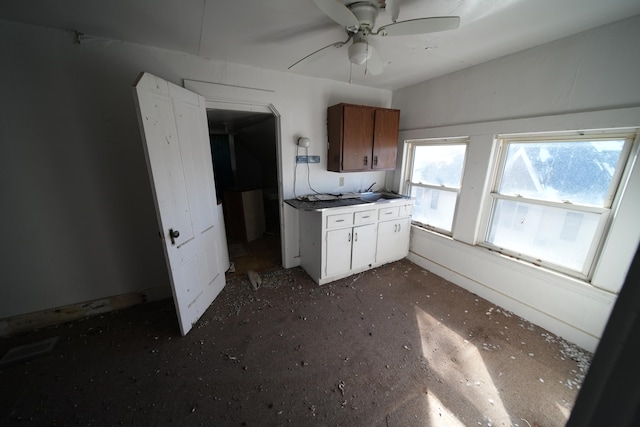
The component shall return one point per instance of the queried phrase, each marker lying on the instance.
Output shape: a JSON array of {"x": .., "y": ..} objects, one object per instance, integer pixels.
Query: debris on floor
[
  {"x": 232, "y": 268},
  {"x": 28, "y": 351},
  {"x": 255, "y": 279},
  {"x": 296, "y": 352}
]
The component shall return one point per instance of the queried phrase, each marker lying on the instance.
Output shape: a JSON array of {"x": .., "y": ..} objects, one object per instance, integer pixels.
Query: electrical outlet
[{"x": 341, "y": 181}]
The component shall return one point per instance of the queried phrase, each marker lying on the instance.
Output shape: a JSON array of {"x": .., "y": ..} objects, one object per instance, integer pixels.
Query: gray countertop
[
  {"x": 348, "y": 199},
  {"x": 324, "y": 204}
]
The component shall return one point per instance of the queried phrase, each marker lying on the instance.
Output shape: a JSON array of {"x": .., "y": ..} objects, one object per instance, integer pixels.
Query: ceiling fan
[{"x": 359, "y": 18}]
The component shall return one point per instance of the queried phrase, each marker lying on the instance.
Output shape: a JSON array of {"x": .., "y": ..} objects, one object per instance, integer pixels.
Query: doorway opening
[{"x": 244, "y": 153}]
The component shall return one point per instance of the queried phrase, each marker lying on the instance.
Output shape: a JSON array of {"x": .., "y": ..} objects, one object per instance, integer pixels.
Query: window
[
  {"x": 434, "y": 177},
  {"x": 553, "y": 195}
]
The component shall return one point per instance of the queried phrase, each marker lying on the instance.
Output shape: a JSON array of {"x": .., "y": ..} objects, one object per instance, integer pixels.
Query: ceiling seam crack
[{"x": 204, "y": 8}]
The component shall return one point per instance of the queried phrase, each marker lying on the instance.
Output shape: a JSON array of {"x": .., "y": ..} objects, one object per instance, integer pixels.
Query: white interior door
[{"x": 174, "y": 129}]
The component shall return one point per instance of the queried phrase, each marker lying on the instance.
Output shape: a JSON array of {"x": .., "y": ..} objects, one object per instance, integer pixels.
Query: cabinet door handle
[
  {"x": 349, "y": 237},
  {"x": 366, "y": 160},
  {"x": 395, "y": 227},
  {"x": 399, "y": 227},
  {"x": 375, "y": 160},
  {"x": 355, "y": 239}
]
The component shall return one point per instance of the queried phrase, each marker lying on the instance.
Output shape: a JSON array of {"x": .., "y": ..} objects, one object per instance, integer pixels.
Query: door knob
[{"x": 174, "y": 234}]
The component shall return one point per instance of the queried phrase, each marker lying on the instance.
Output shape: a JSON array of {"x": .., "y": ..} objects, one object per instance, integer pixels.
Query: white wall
[
  {"x": 589, "y": 80},
  {"x": 594, "y": 70},
  {"x": 78, "y": 218}
]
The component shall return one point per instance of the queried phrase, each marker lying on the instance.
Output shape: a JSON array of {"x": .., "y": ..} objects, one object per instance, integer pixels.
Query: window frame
[
  {"x": 605, "y": 212},
  {"x": 408, "y": 183}
]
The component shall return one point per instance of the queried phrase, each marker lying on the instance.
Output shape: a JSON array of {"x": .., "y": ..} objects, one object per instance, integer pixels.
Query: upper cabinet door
[
  {"x": 358, "y": 138},
  {"x": 385, "y": 139}
]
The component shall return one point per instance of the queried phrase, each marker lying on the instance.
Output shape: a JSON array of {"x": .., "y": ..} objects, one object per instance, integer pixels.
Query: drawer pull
[
  {"x": 366, "y": 216},
  {"x": 339, "y": 220}
]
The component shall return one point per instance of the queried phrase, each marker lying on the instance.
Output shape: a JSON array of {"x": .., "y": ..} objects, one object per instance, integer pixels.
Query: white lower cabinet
[{"x": 339, "y": 242}]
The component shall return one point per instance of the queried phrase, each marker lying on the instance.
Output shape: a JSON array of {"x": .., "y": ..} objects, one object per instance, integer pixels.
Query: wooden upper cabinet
[
  {"x": 385, "y": 138},
  {"x": 361, "y": 138}
]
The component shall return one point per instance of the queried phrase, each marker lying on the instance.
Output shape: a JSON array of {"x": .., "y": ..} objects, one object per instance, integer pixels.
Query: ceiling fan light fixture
[{"x": 359, "y": 53}]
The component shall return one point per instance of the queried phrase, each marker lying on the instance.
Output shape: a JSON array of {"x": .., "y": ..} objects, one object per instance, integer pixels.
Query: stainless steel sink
[{"x": 373, "y": 197}]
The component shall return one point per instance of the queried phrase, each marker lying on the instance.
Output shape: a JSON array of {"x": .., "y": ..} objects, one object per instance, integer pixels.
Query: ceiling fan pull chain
[{"x": 366, "y": 62}]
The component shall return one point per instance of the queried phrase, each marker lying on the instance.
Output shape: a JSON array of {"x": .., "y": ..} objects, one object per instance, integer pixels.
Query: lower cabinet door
[
  {"x": 393, "y": 240},
  {"x": 363, "y": 253},
  {"x": 338, "y": 256}
]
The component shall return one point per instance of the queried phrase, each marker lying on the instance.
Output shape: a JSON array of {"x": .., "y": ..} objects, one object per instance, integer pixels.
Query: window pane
[
  {"x": 434, "y": 207},
  {"x": 576, "y": 171},
  {"x": 556, "y": 235},
  {"x": 439, "y": 165}
]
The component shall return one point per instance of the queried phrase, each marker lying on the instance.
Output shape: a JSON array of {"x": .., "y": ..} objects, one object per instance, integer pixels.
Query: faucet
[{"x": 370, "y": 187}]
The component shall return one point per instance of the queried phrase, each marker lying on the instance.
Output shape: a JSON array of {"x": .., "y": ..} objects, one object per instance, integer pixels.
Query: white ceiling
[{"x": 274, "y": 34}]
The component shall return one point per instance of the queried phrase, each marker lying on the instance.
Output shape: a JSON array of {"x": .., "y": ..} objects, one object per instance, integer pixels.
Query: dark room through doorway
[{"x": 244, "y": 152}]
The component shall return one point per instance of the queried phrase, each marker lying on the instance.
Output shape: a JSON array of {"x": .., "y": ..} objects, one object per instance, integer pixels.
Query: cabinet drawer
[
  {"x": 364, "y": 217},
  {"x": 339, "y": 220},
  {"x": 387, "y": 213}
]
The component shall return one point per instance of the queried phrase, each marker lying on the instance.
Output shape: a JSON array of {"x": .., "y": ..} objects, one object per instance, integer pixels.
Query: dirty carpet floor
[{"x": 394, "y": 346}]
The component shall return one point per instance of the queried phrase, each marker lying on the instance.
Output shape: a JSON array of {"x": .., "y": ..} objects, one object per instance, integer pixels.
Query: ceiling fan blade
[
  {"x": 337, "y": 11},
  {"x": 320, "y": 52},
  {"x": 393, "y": 8},
  {"x": 420, "y": 26},
  {"x": 375, "y": 65}
]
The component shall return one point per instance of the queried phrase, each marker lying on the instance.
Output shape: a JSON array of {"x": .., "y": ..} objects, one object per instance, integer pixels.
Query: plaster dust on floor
[{"x": 393, "y": 346}]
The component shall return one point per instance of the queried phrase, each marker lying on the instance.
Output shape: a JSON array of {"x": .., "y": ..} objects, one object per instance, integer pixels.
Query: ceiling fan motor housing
[{"x": 366, "y": 12}]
